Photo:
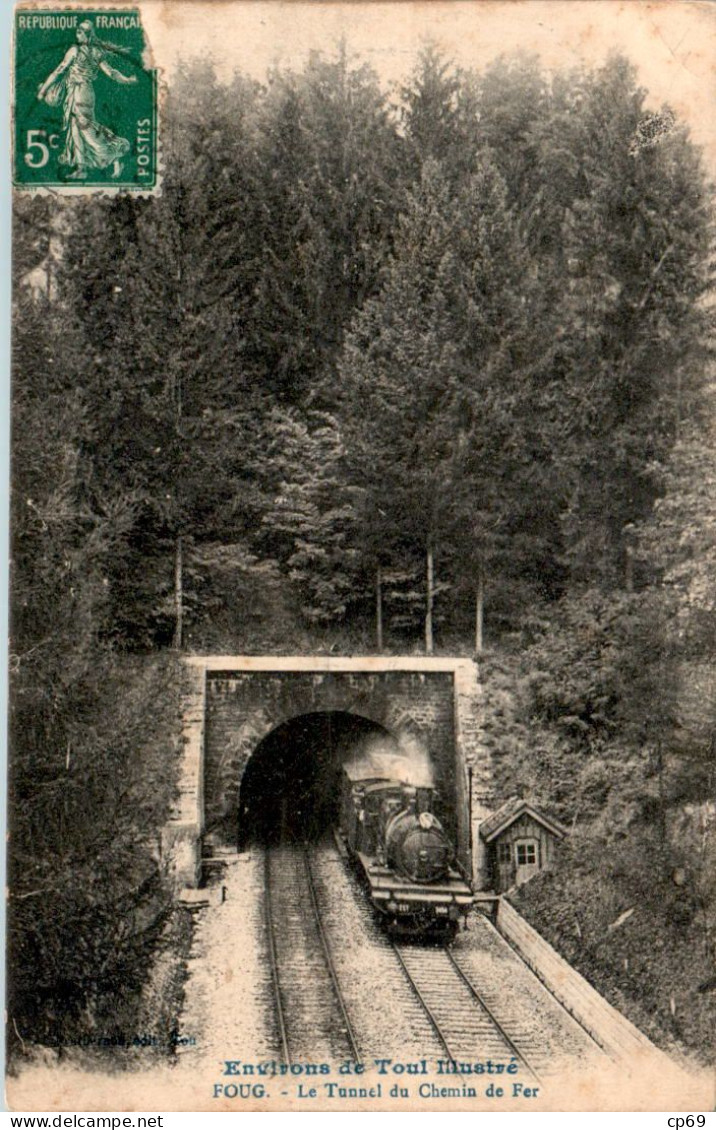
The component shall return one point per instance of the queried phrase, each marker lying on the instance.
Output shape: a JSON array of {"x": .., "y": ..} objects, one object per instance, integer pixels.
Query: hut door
[
  {"x": 526, "y": 859},
  {"x": 505, "y": 866}
]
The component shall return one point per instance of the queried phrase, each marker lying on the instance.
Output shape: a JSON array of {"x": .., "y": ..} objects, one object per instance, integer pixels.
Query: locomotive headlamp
[{"x": 426, "y": 820}]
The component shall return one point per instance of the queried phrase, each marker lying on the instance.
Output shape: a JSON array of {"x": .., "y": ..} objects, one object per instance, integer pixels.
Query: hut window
[
  {"x": 526, "y": 853},
  {"x": 504, "y": 855}
]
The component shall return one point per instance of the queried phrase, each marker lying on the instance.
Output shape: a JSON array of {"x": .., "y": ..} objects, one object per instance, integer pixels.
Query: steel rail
[
  {"x": 347, "y": 1026},
  {"x": 480, "y": 1000},
  {"x": 273, "y": 957},
  {"x": 428, "y": 1011}
]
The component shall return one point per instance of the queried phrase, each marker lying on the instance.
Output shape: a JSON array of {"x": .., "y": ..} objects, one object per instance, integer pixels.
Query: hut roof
[{"x": 512, "y": 810}]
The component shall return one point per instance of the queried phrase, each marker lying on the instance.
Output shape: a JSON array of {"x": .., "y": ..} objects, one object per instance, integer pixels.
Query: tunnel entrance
[{"x": 291, "y": 785}]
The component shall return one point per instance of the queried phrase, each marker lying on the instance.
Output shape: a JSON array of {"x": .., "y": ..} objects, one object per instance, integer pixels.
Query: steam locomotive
[{"x": 403, "y": 855}]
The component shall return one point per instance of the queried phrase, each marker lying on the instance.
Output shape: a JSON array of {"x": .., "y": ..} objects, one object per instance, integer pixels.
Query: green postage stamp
[{"x": 85, "y": 98}]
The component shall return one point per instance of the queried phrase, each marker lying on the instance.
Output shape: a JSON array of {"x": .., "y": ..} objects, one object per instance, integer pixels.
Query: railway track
[
  {"x": 471, "y": 1003},
  {"x": 538, "y": 1024},
  {"x": 464, "y": 1025},
  {"x": 311, "y": 1016}
]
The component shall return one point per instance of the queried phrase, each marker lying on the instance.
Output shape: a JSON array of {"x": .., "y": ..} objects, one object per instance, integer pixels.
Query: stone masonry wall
[
  {"x": 242, "y": 708},
  {"x": 181, "y": 836},
  {"x": 434, "y": 702}
]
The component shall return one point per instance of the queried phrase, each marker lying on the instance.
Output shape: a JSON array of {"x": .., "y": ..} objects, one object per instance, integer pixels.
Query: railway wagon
[{"x": 403, "y": 855}]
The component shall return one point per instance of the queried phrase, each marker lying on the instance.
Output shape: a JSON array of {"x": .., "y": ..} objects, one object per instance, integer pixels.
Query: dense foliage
[
  {"x": 411, "y": 371},
  {"x": 492, "y": 302}
]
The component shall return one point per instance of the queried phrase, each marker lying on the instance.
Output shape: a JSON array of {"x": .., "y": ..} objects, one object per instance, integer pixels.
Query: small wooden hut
[{"x": 521, "y": 841}]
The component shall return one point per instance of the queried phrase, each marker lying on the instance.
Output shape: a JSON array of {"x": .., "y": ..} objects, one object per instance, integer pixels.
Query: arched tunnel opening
[{"x": 291, "y": 786}]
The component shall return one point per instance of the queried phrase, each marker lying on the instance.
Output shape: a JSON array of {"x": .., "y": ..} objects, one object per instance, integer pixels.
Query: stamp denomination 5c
[{"x": 85, "y": 101}]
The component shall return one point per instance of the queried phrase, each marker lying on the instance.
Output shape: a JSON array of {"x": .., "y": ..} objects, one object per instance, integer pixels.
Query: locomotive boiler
[{"x": 403, "y": 855}]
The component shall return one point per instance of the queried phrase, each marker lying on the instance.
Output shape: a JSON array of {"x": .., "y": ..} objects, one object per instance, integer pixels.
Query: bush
[{"x": 88, "y": 888}]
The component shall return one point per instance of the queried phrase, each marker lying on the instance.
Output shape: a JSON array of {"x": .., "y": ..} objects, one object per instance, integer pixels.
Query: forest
[{"x": 422, "y": 369}]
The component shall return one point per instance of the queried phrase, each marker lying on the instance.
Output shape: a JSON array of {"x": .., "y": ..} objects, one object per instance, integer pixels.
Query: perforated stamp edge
[{"x": 86, "y": 189}]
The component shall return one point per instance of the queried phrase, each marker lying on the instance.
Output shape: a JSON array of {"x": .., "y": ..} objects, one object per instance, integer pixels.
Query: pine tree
[
  {"x": 637, "y": 246},
  {"x": 310, "y": 525},
  {"x": 328, "y": 152},
  {"x": 433, "y": 371},
  {"x": 164, "y": 287}
]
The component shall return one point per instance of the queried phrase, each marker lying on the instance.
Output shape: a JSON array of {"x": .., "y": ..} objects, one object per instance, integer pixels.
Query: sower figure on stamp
[{"x": 88, "y": 144}]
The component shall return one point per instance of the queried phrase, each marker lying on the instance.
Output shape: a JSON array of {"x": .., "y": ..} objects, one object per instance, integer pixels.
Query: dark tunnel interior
[{"x": 291, "y": 786}]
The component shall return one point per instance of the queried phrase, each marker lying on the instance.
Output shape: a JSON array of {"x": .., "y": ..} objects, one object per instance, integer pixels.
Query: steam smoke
[{"x": 403, "y": 760}]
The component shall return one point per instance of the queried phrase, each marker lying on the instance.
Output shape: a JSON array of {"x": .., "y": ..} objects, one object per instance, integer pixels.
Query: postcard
[{"x": 362, "y": 690}]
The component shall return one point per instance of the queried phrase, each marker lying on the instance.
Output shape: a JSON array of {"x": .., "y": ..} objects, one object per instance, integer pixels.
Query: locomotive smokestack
[{"x": 423, "y": 797}]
